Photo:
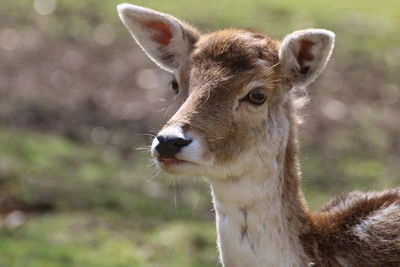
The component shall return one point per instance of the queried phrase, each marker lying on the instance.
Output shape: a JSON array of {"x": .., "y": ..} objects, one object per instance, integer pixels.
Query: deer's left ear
[
  {"x": 304, "y": 54},
  {"x": 165, "y": 39}
]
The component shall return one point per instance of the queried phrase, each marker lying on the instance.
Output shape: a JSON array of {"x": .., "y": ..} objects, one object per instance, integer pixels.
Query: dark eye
[
  {"x": 256, "y": 96},
  {"x": 175, "y": 86}
]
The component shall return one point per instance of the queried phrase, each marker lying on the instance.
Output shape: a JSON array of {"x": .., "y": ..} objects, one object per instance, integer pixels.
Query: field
[{"x": 78, "y": 98}]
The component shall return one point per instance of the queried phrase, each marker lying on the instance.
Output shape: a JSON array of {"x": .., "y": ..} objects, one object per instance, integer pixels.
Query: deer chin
[
  {"x": 182, "y": 167},
  {"x": 176, "y": 166},
  {"x": 203, "y": 168}
]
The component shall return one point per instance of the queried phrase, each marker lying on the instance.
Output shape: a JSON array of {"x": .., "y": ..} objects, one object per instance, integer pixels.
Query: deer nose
[{"x": 169, "y": 146}]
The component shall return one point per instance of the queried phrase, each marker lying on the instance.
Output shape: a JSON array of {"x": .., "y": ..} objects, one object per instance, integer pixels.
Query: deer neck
[{"x": 261, "y": 215}]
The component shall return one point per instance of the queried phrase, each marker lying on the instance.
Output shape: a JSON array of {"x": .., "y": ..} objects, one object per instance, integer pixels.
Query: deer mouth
[
  {"x": 170, "y": 161},
  {"x": 173, "y": 161},
  {"x": 174, "y": 165}
]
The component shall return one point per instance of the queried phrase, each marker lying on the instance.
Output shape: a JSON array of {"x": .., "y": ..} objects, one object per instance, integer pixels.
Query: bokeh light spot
[
  {"x": 9, "y": 39},
  {"x": 147, "y": 79},
  {"x": 334, "y": 110},
  {"x": 100, "y": 135},
  {"x": 104, "y": 34},
  {"x": 44, "y": 7}
]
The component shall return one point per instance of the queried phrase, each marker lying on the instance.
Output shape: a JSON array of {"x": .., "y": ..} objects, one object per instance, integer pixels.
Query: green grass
[
  {"x": 100, "y": 214},
  {"x": 370, "y": 26},
  {"x": 92, "y": 239},
  {"x": 38, "y": 167}
]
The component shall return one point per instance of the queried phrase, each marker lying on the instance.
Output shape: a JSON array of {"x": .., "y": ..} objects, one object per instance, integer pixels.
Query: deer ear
[
  {"x": 304, "y": 54},
  {"x": 165, "y": 39}
]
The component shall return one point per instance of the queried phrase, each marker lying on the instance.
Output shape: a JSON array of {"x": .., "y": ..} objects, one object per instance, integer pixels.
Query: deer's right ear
[
  {"x": 165, "y": 39},
  {"x": 304, "y": 54}
]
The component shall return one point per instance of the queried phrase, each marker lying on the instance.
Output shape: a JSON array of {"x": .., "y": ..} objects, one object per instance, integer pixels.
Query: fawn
[{"x": 236, "y": 124}]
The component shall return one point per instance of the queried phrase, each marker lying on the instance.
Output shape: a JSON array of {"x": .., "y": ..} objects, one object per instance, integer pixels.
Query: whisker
[
  {"x": 153, "y": 177},
  {"x": 217, "y": 139},
  {"x": 270, "y": 70},
  {"x": 147, "y": 134},
  {"x": 272, "y": 67},
  {"x": 167, "y": 110},
  {"x": 177, "y": 185},
  {"x": 195, "y": 205},
  {"x": 162, "y": 109},
  {"x": 277, "y": 80},
  {"x": 152, "y": 163},
  {"x": 143, "y": 148}
]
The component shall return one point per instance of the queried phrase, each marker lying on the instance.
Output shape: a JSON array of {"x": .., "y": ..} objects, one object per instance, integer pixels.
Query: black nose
[{"x": 169, "y": 146}]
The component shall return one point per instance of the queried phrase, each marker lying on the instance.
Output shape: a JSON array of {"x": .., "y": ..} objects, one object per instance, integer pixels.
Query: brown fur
[
  {"x": 357, "y": 229},
  {"x": 333, "y": 230},
  {"x": 214, "y": 69},
  {"x": 327, "y": 233},
  {"x": 215, "y": 63}
]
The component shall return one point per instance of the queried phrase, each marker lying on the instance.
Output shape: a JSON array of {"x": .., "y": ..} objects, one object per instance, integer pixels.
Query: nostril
[
  {"x": 181, "y": 142},
  {"x": 176, "y": 141},
  {"x": 169, "y": 146}
]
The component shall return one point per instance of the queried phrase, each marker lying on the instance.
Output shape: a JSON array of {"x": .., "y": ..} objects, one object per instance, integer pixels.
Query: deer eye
[
  {"x": 174, "y": 85},
  {"x": 256, "y": 97}
]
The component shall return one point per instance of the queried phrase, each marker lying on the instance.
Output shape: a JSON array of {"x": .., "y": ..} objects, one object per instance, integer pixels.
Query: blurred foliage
[
  {"x": 77, "y": 97},
  {"x": 68, "y": 204},
  {"x": 90, "y": 239}
]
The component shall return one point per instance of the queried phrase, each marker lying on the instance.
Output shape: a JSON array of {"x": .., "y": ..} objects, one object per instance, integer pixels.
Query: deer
[{"x": 236, "y": 124}]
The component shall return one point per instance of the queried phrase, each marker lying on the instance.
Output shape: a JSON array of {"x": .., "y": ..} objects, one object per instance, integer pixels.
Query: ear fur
[
  {"x": 304, "y": 54},
  {"x": 165, "y": 39}
]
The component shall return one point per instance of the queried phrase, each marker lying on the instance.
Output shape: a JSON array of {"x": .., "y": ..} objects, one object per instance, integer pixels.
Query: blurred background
[{"x": 78, "y": 98}]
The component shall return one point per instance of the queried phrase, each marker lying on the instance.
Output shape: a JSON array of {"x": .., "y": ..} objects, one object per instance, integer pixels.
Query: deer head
[{"x": 234, "y": 90}]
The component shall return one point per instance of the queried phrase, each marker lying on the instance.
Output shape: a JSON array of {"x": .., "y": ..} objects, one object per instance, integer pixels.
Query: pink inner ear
[
  {"x": 162, "y": 31},
  {"x": 305, "y": 51}
]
